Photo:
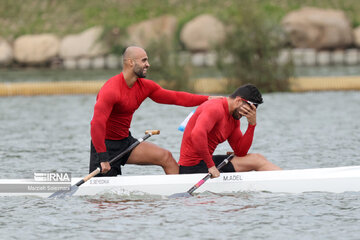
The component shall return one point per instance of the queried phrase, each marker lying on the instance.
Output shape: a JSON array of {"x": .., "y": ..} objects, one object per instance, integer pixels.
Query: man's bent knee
[
  {"x": 168, "y": 163},
  {"x": 257, "y": 156},
  {"x": 262, "y": 164}
]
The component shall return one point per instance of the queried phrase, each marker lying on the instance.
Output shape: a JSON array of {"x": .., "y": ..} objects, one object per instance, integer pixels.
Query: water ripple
[{"x": 295, "y": 130}]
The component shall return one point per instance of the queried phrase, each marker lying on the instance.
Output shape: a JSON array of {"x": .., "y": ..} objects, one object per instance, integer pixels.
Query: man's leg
[
  {"x": 147, "y": 153},
  {"x": 253, "y": 162}
]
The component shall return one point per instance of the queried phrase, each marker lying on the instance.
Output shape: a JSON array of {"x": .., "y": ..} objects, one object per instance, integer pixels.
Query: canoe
[{"x": 336, "y": 180}]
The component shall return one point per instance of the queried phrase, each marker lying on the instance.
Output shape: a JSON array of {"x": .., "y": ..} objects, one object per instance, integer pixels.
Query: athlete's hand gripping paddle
[
  {"x": 74, "y": 188},
  {"x": 202, "y": 181}
]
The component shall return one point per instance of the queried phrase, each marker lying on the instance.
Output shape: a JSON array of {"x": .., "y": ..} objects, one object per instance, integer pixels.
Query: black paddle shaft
[
  {"x": 73, "y": 189},
  {"x": 120, "y": 155},
  {"x": 132, "y": 146}
]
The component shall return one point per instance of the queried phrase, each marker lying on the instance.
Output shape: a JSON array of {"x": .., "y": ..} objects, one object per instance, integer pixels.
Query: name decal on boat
[
  {"x": 232, "y": 178},
  {"x": 99, "y": 181}
]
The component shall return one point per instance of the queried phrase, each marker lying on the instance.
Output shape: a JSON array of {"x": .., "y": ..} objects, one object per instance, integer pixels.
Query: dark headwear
[{"x": 248, "y": 92}]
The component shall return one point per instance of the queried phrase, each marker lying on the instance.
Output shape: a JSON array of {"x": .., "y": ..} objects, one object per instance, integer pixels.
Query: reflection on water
[
  {"x": 42, "y": 75},
  {"x": 233, "y": 215}
]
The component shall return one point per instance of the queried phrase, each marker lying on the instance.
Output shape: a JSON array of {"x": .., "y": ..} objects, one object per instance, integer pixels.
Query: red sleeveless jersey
[
  {"x": 210, "y": 125},
  {"x": 116, "y": 103}
]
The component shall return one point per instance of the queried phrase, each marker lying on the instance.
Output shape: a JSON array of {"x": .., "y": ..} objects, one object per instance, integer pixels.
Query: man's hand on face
[{"x": 249, "y": 111}]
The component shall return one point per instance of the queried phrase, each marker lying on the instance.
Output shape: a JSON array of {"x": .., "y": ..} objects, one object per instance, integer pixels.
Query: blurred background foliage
[
  {"x": 19, "y": 17},
  {"x": 167, "y": 63},
  {"x": 253, "y": 43}
]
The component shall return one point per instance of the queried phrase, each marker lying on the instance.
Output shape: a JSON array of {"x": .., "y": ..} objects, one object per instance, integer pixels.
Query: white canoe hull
[{"x": 336, "y": 180}]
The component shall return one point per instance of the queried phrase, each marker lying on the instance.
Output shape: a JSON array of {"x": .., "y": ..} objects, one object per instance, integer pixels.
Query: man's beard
[
  {"x": 236, "y": 114},
  {"x": 139, "y": 71}
]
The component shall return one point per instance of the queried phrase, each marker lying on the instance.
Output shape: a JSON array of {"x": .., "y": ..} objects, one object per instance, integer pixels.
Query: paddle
[
  {"x": 73, "y": 189},
  {"x": 202, "y": 181}
]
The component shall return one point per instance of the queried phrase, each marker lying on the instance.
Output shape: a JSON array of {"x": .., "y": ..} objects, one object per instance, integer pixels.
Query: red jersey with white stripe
[
  {"x": 116, "y": 103},
  {"x": 210, "y": 125}
]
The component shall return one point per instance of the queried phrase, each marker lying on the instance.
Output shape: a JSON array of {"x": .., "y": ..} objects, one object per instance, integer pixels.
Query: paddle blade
[
  {"x": 64, "y": 194},
  {"x": 180, "y": 195}
]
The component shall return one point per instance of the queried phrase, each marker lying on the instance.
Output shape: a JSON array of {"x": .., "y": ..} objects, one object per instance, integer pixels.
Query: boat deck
[{"x": 337, "y": 180}]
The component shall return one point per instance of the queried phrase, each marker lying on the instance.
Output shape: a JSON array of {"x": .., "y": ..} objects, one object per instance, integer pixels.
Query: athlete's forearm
[
  {"x": 102, "y": 112},
  {"x": 247, "y": 140},
  {"x": 177, "y": 98},
  {"x": 241, "y": 143},
  {"x": 98, "y": 130},
  {"x": 200, "y": 144}
]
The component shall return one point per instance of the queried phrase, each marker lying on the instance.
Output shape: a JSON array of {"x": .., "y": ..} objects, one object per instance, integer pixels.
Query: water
[
  {"x": 295, "y": 130},
  {"x": 45, "y": 75}
]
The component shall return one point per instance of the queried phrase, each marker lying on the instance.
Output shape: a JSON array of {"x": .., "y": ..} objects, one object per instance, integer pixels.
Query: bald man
[{"x": 115, "y": 105}]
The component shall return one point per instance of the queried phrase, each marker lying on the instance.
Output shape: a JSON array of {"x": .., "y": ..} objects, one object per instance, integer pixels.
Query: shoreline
[{"x": 299, "y": 84}]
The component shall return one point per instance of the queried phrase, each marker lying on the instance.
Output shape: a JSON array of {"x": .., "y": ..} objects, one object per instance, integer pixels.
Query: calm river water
[{"x": 295, "y": 130}]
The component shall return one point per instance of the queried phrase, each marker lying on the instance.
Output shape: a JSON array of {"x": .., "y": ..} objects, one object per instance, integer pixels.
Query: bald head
[
  {"x": 135, "y": 62},
  {"x": 133, "y": 53}
]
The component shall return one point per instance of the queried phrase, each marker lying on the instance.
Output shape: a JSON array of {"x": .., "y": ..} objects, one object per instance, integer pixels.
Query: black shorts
[
  {"x": 113, "y": 147},
  {"x": 202, "y": 168}
]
